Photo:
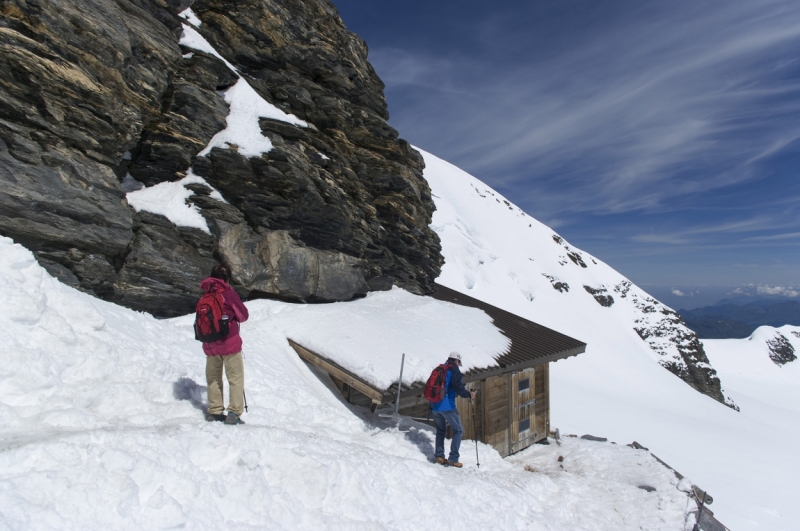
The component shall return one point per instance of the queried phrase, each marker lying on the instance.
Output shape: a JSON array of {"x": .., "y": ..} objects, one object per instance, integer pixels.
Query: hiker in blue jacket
[{"x": 445, "y": 412}]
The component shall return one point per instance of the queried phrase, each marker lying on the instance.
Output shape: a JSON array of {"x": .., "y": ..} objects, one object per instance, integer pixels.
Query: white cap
[{"x": 455, "y": 356}]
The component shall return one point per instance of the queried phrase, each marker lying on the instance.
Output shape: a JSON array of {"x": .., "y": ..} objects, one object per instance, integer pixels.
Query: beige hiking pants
[{"x": 234, "y": 370}]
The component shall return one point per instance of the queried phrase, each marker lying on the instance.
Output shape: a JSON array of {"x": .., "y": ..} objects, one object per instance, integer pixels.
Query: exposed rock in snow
[
  {"x": 679, "y": 349},
  {"x": 559, "y": 286},
  {"x": 600, "y": 295},
  {"x": 781, "y": 350}
]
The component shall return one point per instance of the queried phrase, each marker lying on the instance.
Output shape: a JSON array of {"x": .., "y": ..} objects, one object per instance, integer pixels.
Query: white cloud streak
[{"x": 629, "y": 119}]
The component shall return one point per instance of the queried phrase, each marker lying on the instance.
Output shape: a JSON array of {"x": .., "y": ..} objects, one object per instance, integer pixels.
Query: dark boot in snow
[
  {"x": 456, "y": 464},
  {"x": 441, "y": 461},
  {"x": 233, "y": 418},
  {"x": 211, "y": 417}
]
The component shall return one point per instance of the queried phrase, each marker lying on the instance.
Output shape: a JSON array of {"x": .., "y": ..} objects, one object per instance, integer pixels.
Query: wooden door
[{"x": 523, "y": 429}]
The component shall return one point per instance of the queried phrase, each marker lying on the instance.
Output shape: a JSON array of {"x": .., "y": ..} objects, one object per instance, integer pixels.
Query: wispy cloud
[
  {"x": 689, "y": 235},
  {"x": 686, "y": 99},
  {"x": 774, "y": 237}
]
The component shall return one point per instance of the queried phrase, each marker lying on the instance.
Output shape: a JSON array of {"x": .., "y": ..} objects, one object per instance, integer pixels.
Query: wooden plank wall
[
  {"x": 494, "y": 409},
  {"x": 465, "y": 410}
]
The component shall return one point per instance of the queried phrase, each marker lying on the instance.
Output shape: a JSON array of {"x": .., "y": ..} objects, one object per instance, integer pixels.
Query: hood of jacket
[{"x": 212, "y": 284}]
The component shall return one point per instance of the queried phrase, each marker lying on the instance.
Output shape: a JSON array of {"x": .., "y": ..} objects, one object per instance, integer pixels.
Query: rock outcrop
[
  {"x": 678, "y": 348},
  {"x": 93, "y": 91},
  {"x": 781, "y": 350}
]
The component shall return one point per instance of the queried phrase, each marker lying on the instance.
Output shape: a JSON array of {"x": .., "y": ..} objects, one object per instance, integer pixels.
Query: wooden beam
[{"x": 338, "y": 372}]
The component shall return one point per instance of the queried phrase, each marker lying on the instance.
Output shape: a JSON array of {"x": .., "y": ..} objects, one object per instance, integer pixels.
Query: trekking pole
[
  {"x": 244, "y": 395},
  {"x": 396, "y": 413},
  {"x": 475, "y": 431},
  {"x": 399, "y": 385}
]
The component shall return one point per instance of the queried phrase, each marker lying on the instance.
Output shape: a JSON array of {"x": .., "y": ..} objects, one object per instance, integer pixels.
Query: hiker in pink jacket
[{"x": 226, "y": 352}]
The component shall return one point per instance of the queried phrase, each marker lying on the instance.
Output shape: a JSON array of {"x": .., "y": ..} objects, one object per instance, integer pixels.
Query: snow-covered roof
[
  {"x": 530, "y": 344},
  {"x": 492, "y": 340}
]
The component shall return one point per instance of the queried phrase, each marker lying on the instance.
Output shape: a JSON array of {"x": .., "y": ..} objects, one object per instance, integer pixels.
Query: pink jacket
[{"x": 237, "y": 313}]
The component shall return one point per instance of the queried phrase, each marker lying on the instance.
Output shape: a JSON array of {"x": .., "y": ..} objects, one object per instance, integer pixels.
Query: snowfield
[{"x": 102, "y": 428}]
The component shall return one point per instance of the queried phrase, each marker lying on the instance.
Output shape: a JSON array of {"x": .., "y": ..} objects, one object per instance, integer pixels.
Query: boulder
[{"x": 272, "y": 263}]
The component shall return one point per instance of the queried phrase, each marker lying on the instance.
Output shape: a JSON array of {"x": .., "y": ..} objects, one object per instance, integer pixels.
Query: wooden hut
[{"x": 512, "y": 407}]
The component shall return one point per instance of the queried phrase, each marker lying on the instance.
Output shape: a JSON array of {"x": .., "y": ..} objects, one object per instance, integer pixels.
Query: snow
[
  {"x": 102, "y": 429},
  {"x": 169, "y": 200},
  {"x": 763, "y": 390},
  {"x": 496, "y": 253},
  {"x": 191, "y": 38},
  {"x": 351, "y": 333},
  {"x": 242, "y": 131},
  {"x": 190, "y": 17}
]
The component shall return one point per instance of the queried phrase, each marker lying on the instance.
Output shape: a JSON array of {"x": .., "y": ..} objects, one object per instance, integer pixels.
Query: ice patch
[
  {"x": 189, "y": 15},
  {"x": 169, "y": 200},
  {"x": 243, "y": 131}
]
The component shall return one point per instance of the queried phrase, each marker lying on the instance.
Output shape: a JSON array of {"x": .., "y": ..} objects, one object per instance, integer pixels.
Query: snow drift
[{"x": 102, "y": 428}]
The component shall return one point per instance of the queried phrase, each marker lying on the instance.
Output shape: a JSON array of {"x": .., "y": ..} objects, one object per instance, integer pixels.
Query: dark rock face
[
  {"x": 346, "y": 183},
  {"x": 71, "y": 104},
  {"x": 781, "y": 351},
  {"x": 680, "y": 349},
  {"x": 559, "y": 286},
  {"x": 600, "y": 295},
  {"x": 334, "y": 210}
]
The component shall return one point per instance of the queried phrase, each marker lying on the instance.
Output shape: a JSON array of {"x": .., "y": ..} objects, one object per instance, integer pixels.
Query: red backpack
[
  {"x": 209, "y": 323},
  {"x": 435, "y": 388}
]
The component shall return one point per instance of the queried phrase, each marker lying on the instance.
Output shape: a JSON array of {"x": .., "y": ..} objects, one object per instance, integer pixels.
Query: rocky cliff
[{"x": 97, "y": 93}]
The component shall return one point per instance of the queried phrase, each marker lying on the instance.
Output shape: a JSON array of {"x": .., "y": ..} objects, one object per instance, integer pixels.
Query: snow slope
[
  {"x": 497, "y": 253},
  {"x": 766, "y": 391},
  {"x": 102, "y": 429}
]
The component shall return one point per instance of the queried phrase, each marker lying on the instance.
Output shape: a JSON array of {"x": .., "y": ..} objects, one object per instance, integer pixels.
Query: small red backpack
[
  {"x": 210, "y": 324},
  {"x": 435, "y": 388}
]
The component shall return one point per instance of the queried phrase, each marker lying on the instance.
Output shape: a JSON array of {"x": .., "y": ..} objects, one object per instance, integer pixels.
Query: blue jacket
[{"x": 455, "y": 386}]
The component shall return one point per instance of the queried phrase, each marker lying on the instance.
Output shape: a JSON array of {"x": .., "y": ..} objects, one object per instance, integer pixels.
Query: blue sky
[{"x": 661, "y": 136}]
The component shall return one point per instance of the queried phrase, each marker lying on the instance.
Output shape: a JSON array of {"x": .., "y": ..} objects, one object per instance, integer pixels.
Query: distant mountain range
[{"x": 731, "y": 319}]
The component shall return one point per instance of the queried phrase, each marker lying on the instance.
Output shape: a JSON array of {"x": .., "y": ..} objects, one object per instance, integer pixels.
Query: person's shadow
[{"x": 187, "y": 389}]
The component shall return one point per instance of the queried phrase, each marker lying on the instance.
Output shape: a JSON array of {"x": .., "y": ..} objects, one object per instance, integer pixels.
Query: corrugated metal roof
[{"x": 531, "y": 344}]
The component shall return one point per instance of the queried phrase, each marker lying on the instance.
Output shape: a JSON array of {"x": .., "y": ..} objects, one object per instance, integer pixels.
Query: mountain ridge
[{"x": 727, "y": 319}]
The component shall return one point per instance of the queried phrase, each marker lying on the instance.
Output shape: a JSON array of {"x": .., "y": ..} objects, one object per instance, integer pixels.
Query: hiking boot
[
  {"x": 441, "y": 461},
  {"x": 233, "y": 418},
  {"x": 456, "y": 464},
  {"x": 210, "y": 417}
]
